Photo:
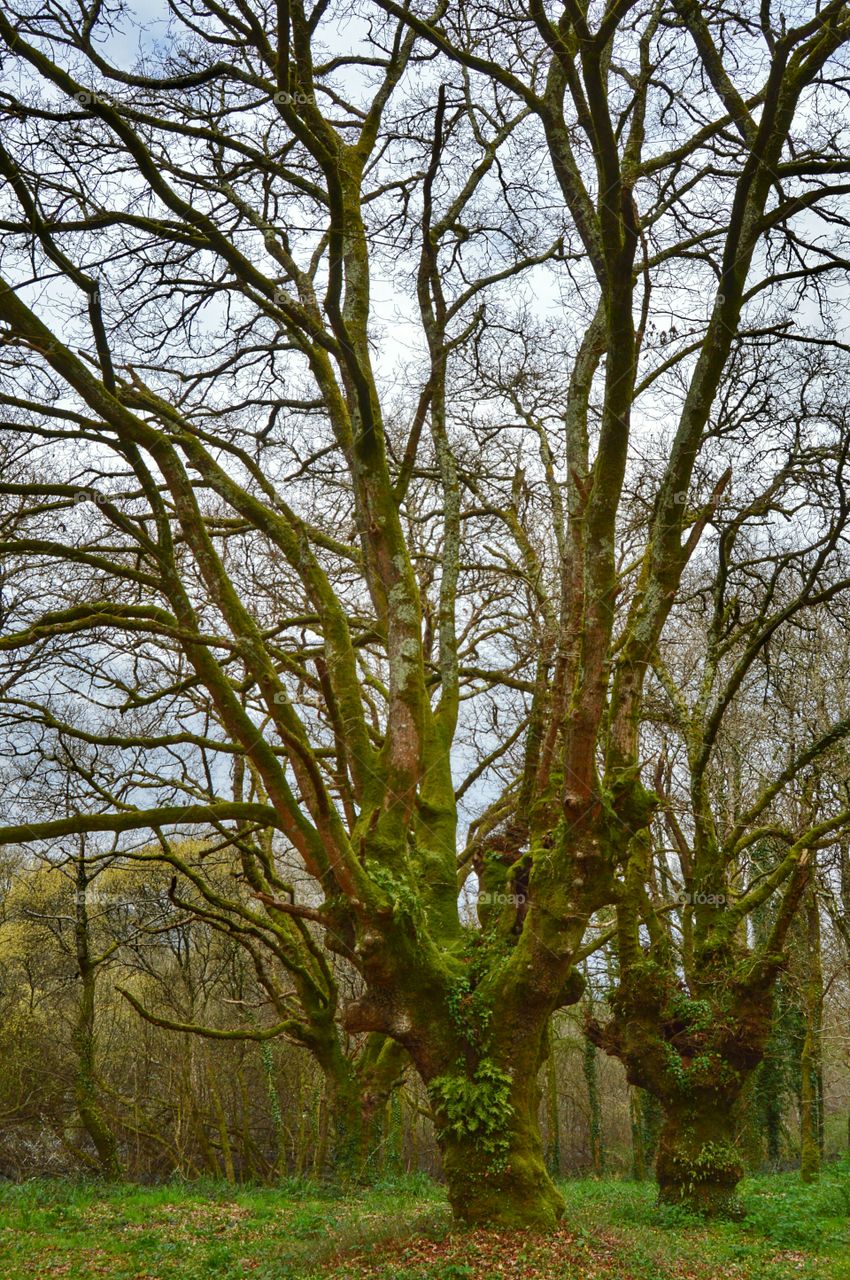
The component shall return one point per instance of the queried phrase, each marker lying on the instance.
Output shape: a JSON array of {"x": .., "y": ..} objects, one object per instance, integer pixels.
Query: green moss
[{"x": 405, "y": 900}]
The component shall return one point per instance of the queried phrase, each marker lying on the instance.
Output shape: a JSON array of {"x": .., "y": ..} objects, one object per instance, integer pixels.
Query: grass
[
  {"x": 400, "y": 1230},
  {"x": 194, "y": 1231}
]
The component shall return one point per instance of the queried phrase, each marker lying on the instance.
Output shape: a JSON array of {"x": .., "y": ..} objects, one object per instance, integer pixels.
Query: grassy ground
[{"x": 401, "y": 1231}]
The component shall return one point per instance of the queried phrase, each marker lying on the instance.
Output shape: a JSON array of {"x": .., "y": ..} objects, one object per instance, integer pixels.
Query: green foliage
[
  {"x": 477, "y": 1108},
  {"x": 697, "y": 1015},
  {"x": 404, "y": 898},
  {"x": 203, "y": 1229},
  {"x": 676, "y": 1068},
  {"x": 713, "y": 1160},
  {"x": 399, "y": 1230},
  {"x": 468, "y": 1011},
  {"x": 795, "y": 1215},
  {"x": 703, "y": 1071}
]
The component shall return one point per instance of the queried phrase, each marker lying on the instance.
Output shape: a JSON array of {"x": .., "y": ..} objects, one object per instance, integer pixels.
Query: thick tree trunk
[
  {"x": 343, "y": 1124},
  {"x": 697, "y": 1164},
  {"x": 478, "y": 1044},
  {"x": 379, "y": 1072},
  {"x": 487, "y": 1116},
  {"x": 500, "y": 1178},
  {"x": 355, "y": 1105}
]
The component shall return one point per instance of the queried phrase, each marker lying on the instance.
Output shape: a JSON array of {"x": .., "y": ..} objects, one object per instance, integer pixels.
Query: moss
[
  {"x": 630, "y": 803},
  {"x": 406, "y": 902},
  {"x": 521, "y": 1195},
  {"x": 698, "y": 1163}
]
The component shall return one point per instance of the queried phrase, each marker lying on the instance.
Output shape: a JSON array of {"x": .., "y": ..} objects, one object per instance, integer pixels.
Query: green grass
[
  {"x": 195, "y": 1231},
  {"x": 400, "y": 1230}
]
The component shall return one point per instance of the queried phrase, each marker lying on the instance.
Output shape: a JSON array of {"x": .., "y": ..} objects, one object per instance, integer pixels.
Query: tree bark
[
  {"x": 501, "y": 1178},
  {"x": 553, "y": 1118},
  {"x": 590, "y": 1065},
  {"x": 86, "y": 1090},
  {"x": 697, "y": 1165},
  {"x": 810, "y": 1058},
  {"x": 637, "y": 1127}
]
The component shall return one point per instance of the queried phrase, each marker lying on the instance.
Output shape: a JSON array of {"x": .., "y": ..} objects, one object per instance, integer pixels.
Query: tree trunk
[
  {"x": 809, "y": 1153},
  {"x": 489, "y": 1137},
  {"x": 751, "y": 1128},
  {"x": 697, "y": 1164},
  {"x": 223, "y": 1131},
  {"x": 323, "y": 1143},
  {"x": 844, "y": 918},
  {"x": 810, "y": 1058},
  {"x": 350, "y": 1127},
  {"x": 553, "y": 1119},
  {"x": 267, "y": 1058},
  {"x": 355, "y": 1100},
  {"x": 86, "y": 1091},
  {"x": 379, "y": 1070},
  {"x": 590, "y": 1067},
  {"x": 638, "y": 1144},
  {"x": 771, "y": 1089}
]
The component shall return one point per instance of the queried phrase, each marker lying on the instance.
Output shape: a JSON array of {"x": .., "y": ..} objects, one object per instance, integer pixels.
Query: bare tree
[{"x": 271, "y": 567}]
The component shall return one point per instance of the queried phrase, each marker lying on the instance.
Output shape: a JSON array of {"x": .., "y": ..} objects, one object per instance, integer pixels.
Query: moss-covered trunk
[
  {"x": 695, "y": 1056},
  {"x": 590, "y": 1066},
  {"x": 489, "y": 1136},
  {"x": 638, "y": 1144},
  {"x": 355, "y": 1101},
  {"x": 697, "y": 1164},
  {"x": 811, "y": 1077}
]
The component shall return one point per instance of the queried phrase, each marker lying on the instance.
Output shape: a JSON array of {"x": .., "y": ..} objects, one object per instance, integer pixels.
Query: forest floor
[{"x": 400, "y": 1230}]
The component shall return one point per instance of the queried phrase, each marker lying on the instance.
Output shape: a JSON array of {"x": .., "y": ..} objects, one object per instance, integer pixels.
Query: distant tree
[{"x": 753, "y": 719}]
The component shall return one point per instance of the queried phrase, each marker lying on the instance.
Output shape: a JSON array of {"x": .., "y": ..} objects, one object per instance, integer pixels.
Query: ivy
[
  {"x": 714, "y": 1161},
  {"x": 696, "y": 1014},
  {"x": 404, "y": 898},
  {"x": 705, "y": 1070},
  {"x": 268, "y": 1069},
  {"x": 468, "y": 1011},
  {"x": 675, "y": 1066}
]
